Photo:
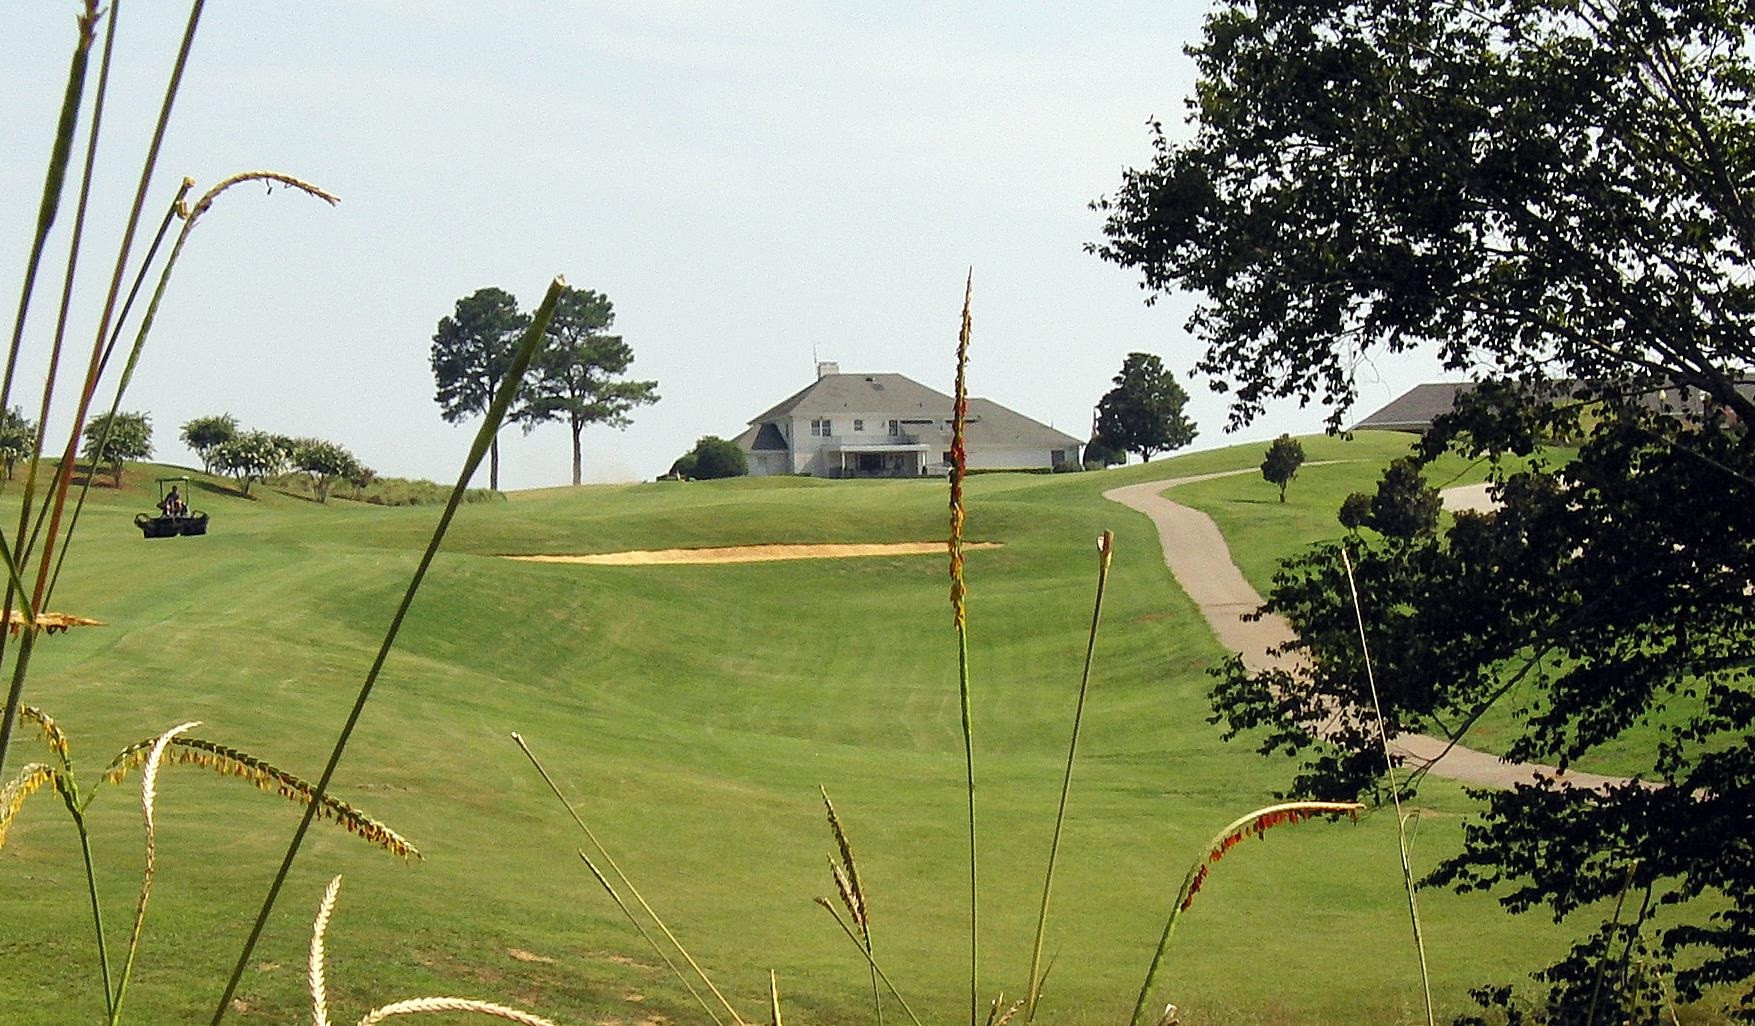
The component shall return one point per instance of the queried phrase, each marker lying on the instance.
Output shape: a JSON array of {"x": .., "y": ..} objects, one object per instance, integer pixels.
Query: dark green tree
[
  {"x": 1143, "y": 412},
  {"x": 1405, "y": 506},
  {"x": 575, "y": 378},
  {"x": 111, "y": 440},
  {"x": 471, "y": 351},
  {"x": 18, "y": 439},
  {"x": 1355, "y": 511},
  {"x": 712, "y": 458},
  {"x": 1556, "y": 195},
  {"x": 1282, "y": 461},
  {"x": 1100, "y": 452},
  {"x": 204, "y": 433}
]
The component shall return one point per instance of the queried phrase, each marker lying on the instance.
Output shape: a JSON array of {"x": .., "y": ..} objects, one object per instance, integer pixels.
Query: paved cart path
[{"x": 1197, "y": 555}]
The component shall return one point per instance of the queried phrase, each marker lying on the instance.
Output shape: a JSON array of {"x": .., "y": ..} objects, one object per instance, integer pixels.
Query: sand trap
[{"x": 755, "y": 553}]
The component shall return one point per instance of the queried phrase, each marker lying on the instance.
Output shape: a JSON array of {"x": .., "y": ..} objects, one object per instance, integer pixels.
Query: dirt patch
[{"x": 755, "y": 553}]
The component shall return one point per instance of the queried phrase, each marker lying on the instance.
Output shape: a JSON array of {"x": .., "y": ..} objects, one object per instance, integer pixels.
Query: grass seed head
[
  {"x": 959, "y": 462},
  {"x": 231, "y": 762},
  {"x": 52, "y": 733},
  {"x": 33, "y": 778},
  {"x": 847, "y": 873}
]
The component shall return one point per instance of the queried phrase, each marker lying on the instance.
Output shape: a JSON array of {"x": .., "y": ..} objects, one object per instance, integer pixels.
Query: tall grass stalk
[
  {"x": 891, "y": 987},
  {"x": 1105, "y": 554},
  {"x": 1395, "y": 794},
  {"x": 846, "y": 876},
  {"x": 64, "y": 473},
  {"x": 652, "y": 942},
  {"x": 52, "y": 190},
  {"x": 1596, "y": 991},
  {"x": 148, "y": 794},
  {"x": 152, "y": 755},
  {"x": 1253, "y": 824},
  {"x": 54, "y": 183},
  {"x": 413, "y": 1006},
  {"x": 959, "y": 607},
  {"x": 625, "y": 881},
  {"x": 490, "y": 426},
  {"x": 191, "y": 217}
]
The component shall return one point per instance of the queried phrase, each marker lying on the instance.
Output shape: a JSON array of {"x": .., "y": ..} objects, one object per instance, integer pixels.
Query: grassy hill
[{"x": 692, "y": 711}]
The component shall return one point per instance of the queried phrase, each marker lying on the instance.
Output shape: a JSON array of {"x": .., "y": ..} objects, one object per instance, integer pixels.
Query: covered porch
[{"x": 877, "y": 460}]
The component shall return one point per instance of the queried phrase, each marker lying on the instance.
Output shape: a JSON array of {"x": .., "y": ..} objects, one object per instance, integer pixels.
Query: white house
[{"x": 886, "y": 425}]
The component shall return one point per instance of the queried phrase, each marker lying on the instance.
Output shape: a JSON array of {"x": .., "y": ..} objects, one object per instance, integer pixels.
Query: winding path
[{"x": 1198, "y": 557}]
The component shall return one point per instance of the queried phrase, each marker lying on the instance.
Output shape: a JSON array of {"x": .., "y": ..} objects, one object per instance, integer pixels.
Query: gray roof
[
  {"x": 1415, "y": 409},
  {"x": 896, "y": 396},
  {"x": 864, "y": 393}
]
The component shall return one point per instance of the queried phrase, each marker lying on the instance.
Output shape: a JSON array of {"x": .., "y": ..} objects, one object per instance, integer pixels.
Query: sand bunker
[{"x": 754, "y": 553}]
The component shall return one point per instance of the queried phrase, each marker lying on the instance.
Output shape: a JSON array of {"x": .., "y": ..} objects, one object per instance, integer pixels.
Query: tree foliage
[
  {"x": 111, "y": 440},
  {"x": 575, "y": 377},
  {"x": 324, "y": 463},
  {"x": 1284, "y": 456},
  {"x": 1100, "y": 452},
  {"x": 18, "y": 439},
  {"x": 250, "y": 457},
  {"x": 1404, "y": 505},
  {"x": 1143, "y": 412},
  {"x": 471, "y": 352},
  {"x": 204, "y": 433},
  {"x": 712, "y": 458},
  {"x": 1555, "y": 195}
]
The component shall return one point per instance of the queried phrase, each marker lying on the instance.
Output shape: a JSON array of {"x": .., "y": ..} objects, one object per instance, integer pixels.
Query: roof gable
[{"x": 903, "y": 398}]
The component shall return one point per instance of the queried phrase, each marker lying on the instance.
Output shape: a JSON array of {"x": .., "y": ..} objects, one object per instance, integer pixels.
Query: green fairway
[{"x": 691, "y": 712}]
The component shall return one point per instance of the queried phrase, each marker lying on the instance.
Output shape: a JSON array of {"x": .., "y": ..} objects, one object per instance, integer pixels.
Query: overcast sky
[{"x": 754, "y": 186}]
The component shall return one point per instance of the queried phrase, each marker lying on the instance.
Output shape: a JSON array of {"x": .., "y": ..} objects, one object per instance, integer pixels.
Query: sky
[{"x": 754, "y": 186}]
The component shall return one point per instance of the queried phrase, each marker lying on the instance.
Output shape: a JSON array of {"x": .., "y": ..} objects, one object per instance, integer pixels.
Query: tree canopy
[
  {"x": 1143, "y": 412},
  {"x": 324, "y": 463},
  {"x": 471, "y": 352},
  {"x": 712, "y": 458},
  {"x": 18, "y": 439},
  {"x": 1554, "y": 195},
  {"x": 1280, "y": 465},
  {"x": 250, "y": 457},
  {"x": 575, "y": 377},
  {"x": 204, "y": 433},
  {"x": 111, "y": 440}
]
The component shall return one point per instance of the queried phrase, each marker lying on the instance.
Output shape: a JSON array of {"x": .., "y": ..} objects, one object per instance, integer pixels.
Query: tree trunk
[
  {"x": 577, "y": 427},
  {"x": 494, "y": 462}
]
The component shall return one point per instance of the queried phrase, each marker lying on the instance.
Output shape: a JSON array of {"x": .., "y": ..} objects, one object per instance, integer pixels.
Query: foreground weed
[
  {"x": 1105, "y": 555},
  {"x": 412, "y": 1006},
  {"x": 960, "y": 618},
  {"x": 1254, "y": 824},
  {"x": 150, "y": 756},
  {"x": 490, "y": 426},
  {"x": 604, "y": 881},
  {"x": 845, "y": 873},
  {"x": 1395, "y": 794}
]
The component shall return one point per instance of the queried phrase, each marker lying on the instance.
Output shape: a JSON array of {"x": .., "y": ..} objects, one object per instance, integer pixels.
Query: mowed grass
[{"x": 692, "y": 712}]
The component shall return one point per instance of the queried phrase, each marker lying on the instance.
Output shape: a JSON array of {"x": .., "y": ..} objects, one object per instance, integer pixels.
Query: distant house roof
[
  {"x": 896, "y": 396},
  {"x": 847, "y": 393},
  {"x": 1415, "y": 409}
]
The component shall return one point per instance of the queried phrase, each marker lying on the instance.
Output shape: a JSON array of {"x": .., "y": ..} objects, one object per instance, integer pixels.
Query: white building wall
[{"x": 1000, "y": 459}]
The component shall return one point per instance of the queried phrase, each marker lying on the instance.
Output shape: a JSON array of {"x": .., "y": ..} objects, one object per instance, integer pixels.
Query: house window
[
  {"x": 858, "y": 426},
  {"x": 895, "y": 429},
  {"x": 822, "y": 428}
]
